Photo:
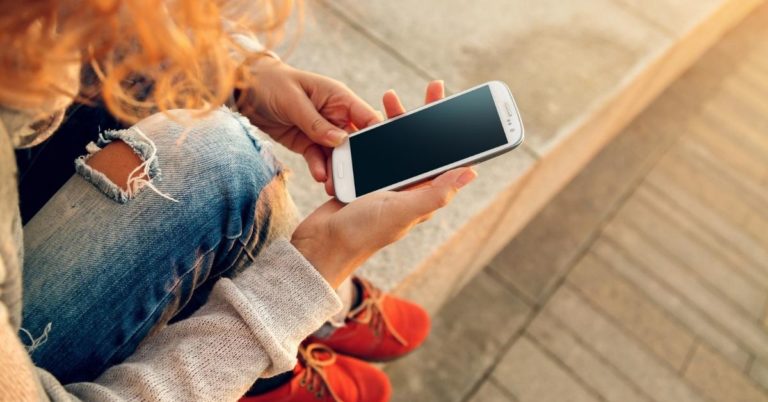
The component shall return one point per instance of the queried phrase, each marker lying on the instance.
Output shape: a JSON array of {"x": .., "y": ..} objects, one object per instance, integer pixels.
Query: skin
[
  {"x": 310, "y": 114},
  {"x": 305, "y": 112},
  {"x": 117, "y": 160},
  {"x": 338, "y": 238}
]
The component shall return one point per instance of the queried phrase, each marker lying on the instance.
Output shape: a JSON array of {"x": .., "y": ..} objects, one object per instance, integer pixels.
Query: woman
[{"x": 170, "y": 267}]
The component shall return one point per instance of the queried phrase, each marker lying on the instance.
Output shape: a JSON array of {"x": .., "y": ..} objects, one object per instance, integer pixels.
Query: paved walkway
[{"x": 646, "y": 279}]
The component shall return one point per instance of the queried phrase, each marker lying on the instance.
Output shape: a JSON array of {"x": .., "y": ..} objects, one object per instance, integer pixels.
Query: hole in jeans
[
  {"x": 116, "y": 161},
  {"x": 121, "y": 163}
]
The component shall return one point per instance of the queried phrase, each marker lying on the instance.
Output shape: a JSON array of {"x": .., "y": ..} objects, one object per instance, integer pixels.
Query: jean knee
[
  {"x": 222, "y": 155},
  {"x": 201, "y": 162},
  {"x": 222, "y": 145}
]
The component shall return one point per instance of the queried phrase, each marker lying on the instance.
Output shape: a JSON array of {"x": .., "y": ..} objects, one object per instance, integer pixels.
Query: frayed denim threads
[{"x": 142, "y": 146}]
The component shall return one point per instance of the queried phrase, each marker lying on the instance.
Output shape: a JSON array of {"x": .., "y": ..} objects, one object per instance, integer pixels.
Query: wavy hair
[{"x": 182, "y": 49}]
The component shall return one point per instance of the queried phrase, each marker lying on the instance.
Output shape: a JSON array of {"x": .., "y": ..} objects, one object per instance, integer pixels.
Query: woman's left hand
[{"x": 307, "y": 113}]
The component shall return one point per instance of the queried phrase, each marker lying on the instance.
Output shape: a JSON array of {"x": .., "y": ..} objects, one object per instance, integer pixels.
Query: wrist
[
  {"x": 327, "y": 262},
  {"x": 257, "y": 64},
  {"x": 254, "y": 70},
  {"x": 262, "y": 63}
]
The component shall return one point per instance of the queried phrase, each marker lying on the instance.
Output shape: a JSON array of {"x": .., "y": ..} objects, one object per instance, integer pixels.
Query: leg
[
  {"x": 44, "y": 169},
  {"x": 104, "y": 266}
]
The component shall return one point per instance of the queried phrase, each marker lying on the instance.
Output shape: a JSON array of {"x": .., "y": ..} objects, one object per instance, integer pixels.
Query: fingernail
[
  {"x": 466, "y": 178},
  {"x": 336, "y": 136}
]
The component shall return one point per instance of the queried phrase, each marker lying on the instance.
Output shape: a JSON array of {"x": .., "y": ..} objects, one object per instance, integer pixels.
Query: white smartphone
[{"x": 460, "y": 130}]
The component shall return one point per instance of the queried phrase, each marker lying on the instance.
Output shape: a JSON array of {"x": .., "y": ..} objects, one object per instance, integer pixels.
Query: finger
[
  {"x": 392, "y": 105},
  {"x": 329, "y": 207},
  {"x": 417, "y": 186},
  {"x": 329, "y": 187},
  {"x": 413, "y": 205},
  {"x": 315, "y": 158},
  {"x": 435, "y": 91},
  {"x": 361, "y": 114},
  {"x": 459, "y": 177},
  {"x": 314, "y": 125},
  {"x": 425, "y": 218}
]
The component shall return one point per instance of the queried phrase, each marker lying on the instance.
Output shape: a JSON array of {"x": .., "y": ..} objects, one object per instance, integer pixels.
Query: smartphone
[{"x": 460, "y": 130}]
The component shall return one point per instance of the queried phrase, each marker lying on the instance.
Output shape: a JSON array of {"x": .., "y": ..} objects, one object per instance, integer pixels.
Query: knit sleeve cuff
[{"x": 290, "y": 301}]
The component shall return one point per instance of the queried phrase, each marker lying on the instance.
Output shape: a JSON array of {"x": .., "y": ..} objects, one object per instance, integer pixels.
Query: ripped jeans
[{"x": 105, "y": 267}]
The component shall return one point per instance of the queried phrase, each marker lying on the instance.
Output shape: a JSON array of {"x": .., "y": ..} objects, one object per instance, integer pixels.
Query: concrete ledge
[{"x": 346, "y": 40}]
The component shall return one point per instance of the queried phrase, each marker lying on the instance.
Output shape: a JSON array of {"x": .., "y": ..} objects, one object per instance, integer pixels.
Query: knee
[
  {"x": 117, "y": 162},
  {"x": 214, "y": 162},
  {"x": 218, "y": 162},
  {"x": 224, "y": 165},
  {"x": 217, "y": 149}
]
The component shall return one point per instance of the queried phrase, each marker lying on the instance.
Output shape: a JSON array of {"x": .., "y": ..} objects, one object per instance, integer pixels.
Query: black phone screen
[{"x": 431, "y": 138}]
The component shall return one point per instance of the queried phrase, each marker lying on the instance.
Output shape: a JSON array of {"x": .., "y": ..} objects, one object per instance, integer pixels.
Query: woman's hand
[
  {"x": 336, "y": 238},
  {"x": 305, "y": 112}
]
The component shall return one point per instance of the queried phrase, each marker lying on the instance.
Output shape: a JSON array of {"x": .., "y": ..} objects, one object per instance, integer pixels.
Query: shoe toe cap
[
  {"x": 372, "y": 384},
  {"x": 413, "y": 323}
]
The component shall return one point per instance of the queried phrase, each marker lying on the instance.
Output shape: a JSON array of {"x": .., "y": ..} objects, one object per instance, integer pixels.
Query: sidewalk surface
[{"x": 646, "y": 279}]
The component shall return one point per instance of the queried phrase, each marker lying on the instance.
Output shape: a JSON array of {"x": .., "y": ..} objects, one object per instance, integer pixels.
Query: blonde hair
[{"x": 181, "y": 47}]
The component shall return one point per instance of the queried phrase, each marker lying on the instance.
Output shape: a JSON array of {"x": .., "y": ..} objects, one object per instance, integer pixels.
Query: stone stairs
[{"x": 580, "y": 72}]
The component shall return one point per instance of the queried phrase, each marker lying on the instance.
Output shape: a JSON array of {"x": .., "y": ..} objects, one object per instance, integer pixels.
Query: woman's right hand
[{"x": 338, "y": 238}]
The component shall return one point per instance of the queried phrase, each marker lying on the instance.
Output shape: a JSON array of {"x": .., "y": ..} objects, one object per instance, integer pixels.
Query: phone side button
[{"x": 340, "y": 170}]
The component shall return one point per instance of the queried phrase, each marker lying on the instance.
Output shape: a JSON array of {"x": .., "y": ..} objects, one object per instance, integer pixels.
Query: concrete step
[{"x": 580, "y": 71}]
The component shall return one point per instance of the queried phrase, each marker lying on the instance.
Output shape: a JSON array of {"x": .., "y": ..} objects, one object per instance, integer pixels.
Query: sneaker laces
[
  {"x": 314, "y": 377},
  {"x": 373, "y": 310}
]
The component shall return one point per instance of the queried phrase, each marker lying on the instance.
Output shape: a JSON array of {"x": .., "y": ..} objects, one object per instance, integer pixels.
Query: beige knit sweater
[{"x": 250, "y": 327}]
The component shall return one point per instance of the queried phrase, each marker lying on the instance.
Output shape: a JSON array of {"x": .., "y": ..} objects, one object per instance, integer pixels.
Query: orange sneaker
[
  {"x": 323, "y": 376},
  {"x": 381, "y": 328}
]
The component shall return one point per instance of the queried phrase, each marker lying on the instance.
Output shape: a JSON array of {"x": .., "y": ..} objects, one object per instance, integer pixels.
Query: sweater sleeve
[
  {"x": 250, "y": 327},
  {"x": 17, "y": 374}
]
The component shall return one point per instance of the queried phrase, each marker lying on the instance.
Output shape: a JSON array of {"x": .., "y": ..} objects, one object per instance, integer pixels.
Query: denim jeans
[{"x": 104, "y": 268}]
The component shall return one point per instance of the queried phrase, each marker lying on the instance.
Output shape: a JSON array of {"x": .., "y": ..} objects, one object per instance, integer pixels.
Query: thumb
[
  {"x": 437, "y": 194},
  {"x": 315, "y": 126},
  {"x": 328, "y": 208}
]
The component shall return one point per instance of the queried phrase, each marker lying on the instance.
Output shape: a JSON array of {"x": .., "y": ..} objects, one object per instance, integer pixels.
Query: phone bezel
[{"x": 341, "y": 163}]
